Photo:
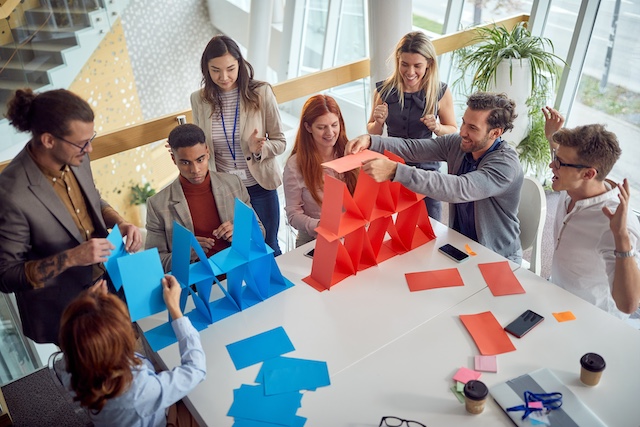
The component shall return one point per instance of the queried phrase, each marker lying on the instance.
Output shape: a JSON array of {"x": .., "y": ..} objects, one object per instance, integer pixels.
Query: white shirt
[{"x": 583, "y": 260}]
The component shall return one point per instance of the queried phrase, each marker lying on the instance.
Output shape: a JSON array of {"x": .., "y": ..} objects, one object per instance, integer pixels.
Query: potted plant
[
  {"x": 521, "y": 65},
  {"x": 139, "y": 196}
]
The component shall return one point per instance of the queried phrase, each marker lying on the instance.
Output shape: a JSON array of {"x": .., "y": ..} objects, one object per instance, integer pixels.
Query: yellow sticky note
[
  {"x": 564, "y": 316},
  {"x": 469, "y": 250}
]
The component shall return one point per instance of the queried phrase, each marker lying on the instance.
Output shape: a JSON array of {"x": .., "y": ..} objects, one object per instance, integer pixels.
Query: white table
[
  {"x": 356, "y": 328},
  {"x": 410, "y": 378}
]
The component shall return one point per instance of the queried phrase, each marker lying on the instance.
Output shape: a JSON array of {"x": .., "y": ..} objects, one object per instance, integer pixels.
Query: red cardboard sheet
[
  {"x": 500, "y": 278},
  {"x": 487, "y": 333},
  {"x": 352, "y": 161},
  {"x": 434, "y": 279}
]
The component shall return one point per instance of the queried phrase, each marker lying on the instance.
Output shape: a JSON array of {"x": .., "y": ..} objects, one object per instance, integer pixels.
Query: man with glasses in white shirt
[
  {"x": 595, "y": 238},
  {"x": 53, "y": 223}
]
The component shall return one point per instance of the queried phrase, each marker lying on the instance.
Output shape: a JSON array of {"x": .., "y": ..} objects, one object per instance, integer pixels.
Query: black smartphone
[
  {"x": 453, "y": 253},
  {"x": 524, "y": 323},
  {"x": 310, "y": 253}
]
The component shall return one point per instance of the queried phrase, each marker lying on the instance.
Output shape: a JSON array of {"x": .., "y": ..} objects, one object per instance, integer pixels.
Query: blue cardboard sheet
[
  {"x": 285, "y": 374},
  {"x": 251, "y": 403},
  {"x": 259, "y": 348},
  {"x": 115, "y": 238},
  {"x": 142, "y": 286},
  {"x": 298, "y": 421}
]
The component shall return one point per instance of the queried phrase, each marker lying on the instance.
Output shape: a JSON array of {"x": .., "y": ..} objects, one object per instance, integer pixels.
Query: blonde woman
[{"x": 413, "y": 102}]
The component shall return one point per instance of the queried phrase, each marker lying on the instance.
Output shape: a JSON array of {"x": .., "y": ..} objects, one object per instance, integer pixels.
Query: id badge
[{"x": 240, "y": 173}]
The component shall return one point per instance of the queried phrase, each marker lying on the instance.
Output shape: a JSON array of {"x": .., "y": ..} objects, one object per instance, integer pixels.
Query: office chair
[{"x": 532, "y": 213}]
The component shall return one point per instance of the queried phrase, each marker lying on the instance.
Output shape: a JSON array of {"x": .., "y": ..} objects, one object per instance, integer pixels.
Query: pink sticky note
[
  {"x": 465, "y": 374},
  {"x": 486, "y": 363}
]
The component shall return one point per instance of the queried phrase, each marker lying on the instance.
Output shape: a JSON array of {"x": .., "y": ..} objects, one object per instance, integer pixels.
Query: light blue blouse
[{"x": 150, "y": 393}]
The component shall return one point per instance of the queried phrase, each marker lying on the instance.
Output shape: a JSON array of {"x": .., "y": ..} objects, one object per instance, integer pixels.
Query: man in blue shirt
[{"x": 485, "y": 176}]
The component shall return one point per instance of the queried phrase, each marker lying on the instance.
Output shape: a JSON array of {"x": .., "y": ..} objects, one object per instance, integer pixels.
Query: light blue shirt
[{"x": 150, "y": 393}]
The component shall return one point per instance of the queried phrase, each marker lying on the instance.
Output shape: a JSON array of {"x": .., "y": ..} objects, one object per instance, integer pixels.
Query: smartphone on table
[
  {"x": 524, "y": 323},
  {"x": 310, "y": 253},
  {"x": 454, "y": 253}
]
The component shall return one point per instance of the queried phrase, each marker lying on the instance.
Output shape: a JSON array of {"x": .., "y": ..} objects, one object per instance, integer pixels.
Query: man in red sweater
[{"x": 201, "y": 200}]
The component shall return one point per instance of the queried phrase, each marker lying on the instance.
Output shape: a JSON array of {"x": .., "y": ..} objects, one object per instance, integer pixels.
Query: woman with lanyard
[
  {"x": 241, "y": 122},
  {"x": 412, "y": 99}
]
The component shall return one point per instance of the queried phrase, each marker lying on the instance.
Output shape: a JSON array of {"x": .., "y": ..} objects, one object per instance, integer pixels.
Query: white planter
[
  {"x": 514, "y": 78},
  {"x": 142, "y": 214}
]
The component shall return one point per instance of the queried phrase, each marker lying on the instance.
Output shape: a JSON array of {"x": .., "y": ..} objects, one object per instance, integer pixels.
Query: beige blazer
[
  {"x": 266, "y": 171},
  {"x": 170, "y": 204}
]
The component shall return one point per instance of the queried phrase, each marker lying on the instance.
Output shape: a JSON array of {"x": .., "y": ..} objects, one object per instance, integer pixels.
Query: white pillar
[
  {"x": 259, "y": 36},
  {"x": 388, "y": 22}
]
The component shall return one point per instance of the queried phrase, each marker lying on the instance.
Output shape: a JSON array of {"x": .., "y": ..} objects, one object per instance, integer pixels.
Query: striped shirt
[{"x": 223, "y": 144}]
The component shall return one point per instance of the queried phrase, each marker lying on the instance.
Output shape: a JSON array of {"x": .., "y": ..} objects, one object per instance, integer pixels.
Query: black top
[{"x": 405, "y": 122}]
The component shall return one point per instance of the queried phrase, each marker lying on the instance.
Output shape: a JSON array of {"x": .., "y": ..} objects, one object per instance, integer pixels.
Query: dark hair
[
  {"x": 186, "y": 135},
  {"x": 503, "y": 109},
  {"x": 595, "y": 146},
  {"x": 220, "y": 46},
  {"x": 98, "y": 341},
  {"x": 47, "y": 112},
  {"x": 308, "y": 158}
]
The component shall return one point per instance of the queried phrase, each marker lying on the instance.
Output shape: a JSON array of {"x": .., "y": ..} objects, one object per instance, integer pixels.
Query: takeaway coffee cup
[
  {"x": 592, "y": 365},
  {"x": 475, "y": 395}
]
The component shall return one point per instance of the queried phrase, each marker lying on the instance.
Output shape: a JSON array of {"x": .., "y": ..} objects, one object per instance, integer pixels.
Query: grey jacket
[{"x": 494, "y": 187}]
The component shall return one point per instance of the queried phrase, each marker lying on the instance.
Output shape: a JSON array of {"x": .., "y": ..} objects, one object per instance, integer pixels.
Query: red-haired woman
[
  {"x": 118, "y": 386},
  {"x": 321, "y": 138}
]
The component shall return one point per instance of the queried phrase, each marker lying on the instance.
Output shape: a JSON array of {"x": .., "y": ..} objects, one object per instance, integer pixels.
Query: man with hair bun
[
  {"x": 53, "y": 223},
  {"x": 485, "y": 176}
]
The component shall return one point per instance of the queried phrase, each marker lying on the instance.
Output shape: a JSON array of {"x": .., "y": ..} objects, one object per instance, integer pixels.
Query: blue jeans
[{"x": 267, "y": 206}]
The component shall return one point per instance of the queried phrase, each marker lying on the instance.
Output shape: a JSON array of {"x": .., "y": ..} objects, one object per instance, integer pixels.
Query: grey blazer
[
  {"x": 35, "y": 224},
  {"x": 266, "y": 171},
  {"x": 170, "y": 204}
]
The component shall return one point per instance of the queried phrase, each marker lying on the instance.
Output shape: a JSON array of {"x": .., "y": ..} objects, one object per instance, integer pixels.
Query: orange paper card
[
  {"x": 331, "y": 264},
  {"x": 352, "y": 161},
  {"x": 434, "y": 279},
  {"x": 564, "y": 316},
  {"x": 500, "y": 278},
  {"x": 487, "y": 333},
  {"x": 339, "y": 214}
]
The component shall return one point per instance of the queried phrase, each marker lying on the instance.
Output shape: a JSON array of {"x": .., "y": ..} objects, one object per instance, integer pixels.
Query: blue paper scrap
[
  {"x": 250, "y": 402},
  {"x": 285, "y": 374},
  {"x": 259, "y": 348}
]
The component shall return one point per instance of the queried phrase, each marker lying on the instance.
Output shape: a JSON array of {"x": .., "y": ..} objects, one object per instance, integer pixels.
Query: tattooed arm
[{"x": 90, "y": 252}]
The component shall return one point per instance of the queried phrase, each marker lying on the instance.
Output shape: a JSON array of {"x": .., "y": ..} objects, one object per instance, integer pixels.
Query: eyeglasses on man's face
[
  {"x": 81, "y": 147},
  {"x": 398, "y": 422},
  {"x": 557, "y": 163}
]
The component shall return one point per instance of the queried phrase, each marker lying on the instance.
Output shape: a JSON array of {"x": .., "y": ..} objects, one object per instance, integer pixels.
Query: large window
[{"x": 609, "y": 91}]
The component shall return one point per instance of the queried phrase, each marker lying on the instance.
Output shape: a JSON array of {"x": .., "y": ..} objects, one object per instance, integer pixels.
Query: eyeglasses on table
[{"x": 398, "y": 422}]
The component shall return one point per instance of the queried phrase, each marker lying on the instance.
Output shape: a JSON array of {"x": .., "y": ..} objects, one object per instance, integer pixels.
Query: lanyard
[{"x": 232, "y": 146}]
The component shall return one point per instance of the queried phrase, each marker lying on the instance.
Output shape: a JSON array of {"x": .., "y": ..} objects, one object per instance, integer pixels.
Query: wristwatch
[{"x": 624, "y": 254}]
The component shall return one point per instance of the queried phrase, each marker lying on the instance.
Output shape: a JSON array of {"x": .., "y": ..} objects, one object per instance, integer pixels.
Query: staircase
[{"x": 51, "y": 42}]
